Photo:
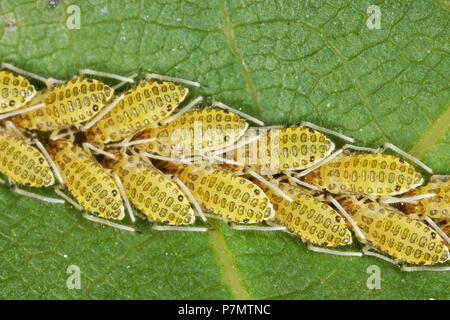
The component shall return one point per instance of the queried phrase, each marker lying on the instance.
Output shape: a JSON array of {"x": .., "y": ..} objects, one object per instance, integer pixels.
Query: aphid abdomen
[
  {"x": 88, "y": 182},
  {"x": 308, "y": 218},
  {"x": 437, "y": 207},
  {"x": 194, "y": 132},
  {"x": 69, "y": 103},
  {"x": 226, "y": 194},
  {"x": 143, "y": 106},
  {"x": 284, "y": 149},
  {"x": 15, "y": 91},
  {"x": 23, "y": 163},
  {"x": 153, "y": 193},
  {"x": 389, "y": 231},
  {"x": 366, "y": 173}
]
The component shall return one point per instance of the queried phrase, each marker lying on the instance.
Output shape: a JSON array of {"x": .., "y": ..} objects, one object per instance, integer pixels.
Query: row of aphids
[{"x": 112, "y": 152}]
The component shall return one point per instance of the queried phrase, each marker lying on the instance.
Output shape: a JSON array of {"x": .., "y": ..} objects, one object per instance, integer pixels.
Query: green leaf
[{"x": 282, "y": 61}]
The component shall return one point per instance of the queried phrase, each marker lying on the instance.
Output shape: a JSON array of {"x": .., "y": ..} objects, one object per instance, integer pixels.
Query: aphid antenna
[
  {"x": 242, "y": 114},
  {"x": 237, "y": 145},
  {"x": 302, "y": 183},
  {"x": 88, "y": 147},
  {"x": 334, "y": 252},
  {"x": 156, "y": 76},
  {"x": 124, "y": 196},
  {"x": 56, "y": 135},
  {"x": 189, "y": 106},
  {"x": 176, "y": 228},
  {"x": 191, "y": 198},
  {"x": 389, "y": 200},
  {"x": 109, "y": 75},
  {"x": 320, "y": 163},
  {"x": 49, "y": 159},
  {"x": 12, "y": 129},
  {"x": 37, "y": 196},
  {"x": 388, "y": 145},
  {"x": 125, "y": 144},
  {"x": 441, "y": 176},
  {"x": 49, "y": 82},
  {"x": 102, "y": 114},
  {"x": 347, "y": 216},
  {"x": 325, "y": 130},
  {"x": 436, "y": 228},
  {"x": 20, "y": 111},
  {"x": 269, "y": 184},
  {"x": 109, "y": 223},
  {"x": 155, "y": 156},
  {"x": 256, "y": 228},
  {"x": 122, "y": 83}
]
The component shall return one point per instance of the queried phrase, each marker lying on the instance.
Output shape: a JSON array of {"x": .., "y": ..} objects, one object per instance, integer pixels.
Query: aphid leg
[
  {"x": 412, "y": 269},
  {"x": 36, "y": 196},
  {"x": 367, "y": 252},
  {"x": 325, "y": 130},
  {"x": 269, "y": 184},
  {"x": 155, "y": 156},
  {"x": 335, "y": 252},
  {"x": 49, "y": 159},
  {"x": 320, "y": 163},
  {"x": 358, "y": 148},
  {"x": 436, "y": 227},
  {"x": 176, "y": 228},
  {"x": 20, "y": 111},
  {"x": 413, "y": 199},
  {"x": 48, "y": 81},
  {"x": 236, "y": 146},
  {"x": 440, "y": 176},
  {"x": 88, "y": 147},
  {"x": 108, "y": 223},
  {"x": 83, "y": 72},
  {"x": 242, "y": 114},
  {"x": 102, "y": 114},
  {"x": 127, "y": 143},
  {"x": 227, "y": 161},
  {"x": 151, "y": 76},
  {"x": 191, "y": 198},
  {"x": 182, "y": 111},
  {"x": 62, "y": 133},
  {"x": 406, "y": 155},
  {"x": 256, "y": 228},
  {"x": 58, "y": 191},
  {"x": 12, "y": 129},
  {"x": 124, "y": 196},
  {"x": 347, "y": 216}
]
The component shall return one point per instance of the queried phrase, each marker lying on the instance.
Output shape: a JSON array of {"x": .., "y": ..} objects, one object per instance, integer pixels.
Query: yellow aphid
[
  {"x": 365, "y": 174},
  {"x": 22, "y": 163},
  {"x": 389, "y": 231},
  {"x": 223, "y": 193},
  {"x": 69, "y": 103},
  {"x": 194, "y": 132},
  {"x": 15, "y": 91},
  {"x": 283, "y": 149},
  {"x": 308, "y": 218},
  {"x": 437, "y": 207},
  {"x": 88, "y": 182},
  {"x": 152, "y": 192},
  {"x": 143, "y": 106}
]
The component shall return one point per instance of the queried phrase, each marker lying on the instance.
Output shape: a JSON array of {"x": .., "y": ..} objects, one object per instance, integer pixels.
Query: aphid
[
  {"x": 66, "y": 104},
  {"x": 15, "y": 91},
  {"x": 143, "y": 106},
  {"x": 152, "y": 192},
  {"x": 195, "y": 132},
  {"x": 373, "y": 174},
  {"x": 23, "y": 163},
  {"x": 308, "y": 218},
  {"x": 389, "y": 231},
  {"x": 88, "y": 182},
  {"x": 273, "y": 150},
  {"x": 436, "y": 207},
  {"x": 223, "y": 193}
]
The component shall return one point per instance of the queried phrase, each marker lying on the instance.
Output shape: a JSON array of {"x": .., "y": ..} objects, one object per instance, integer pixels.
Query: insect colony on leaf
[{"x": 112, "y": 152}]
